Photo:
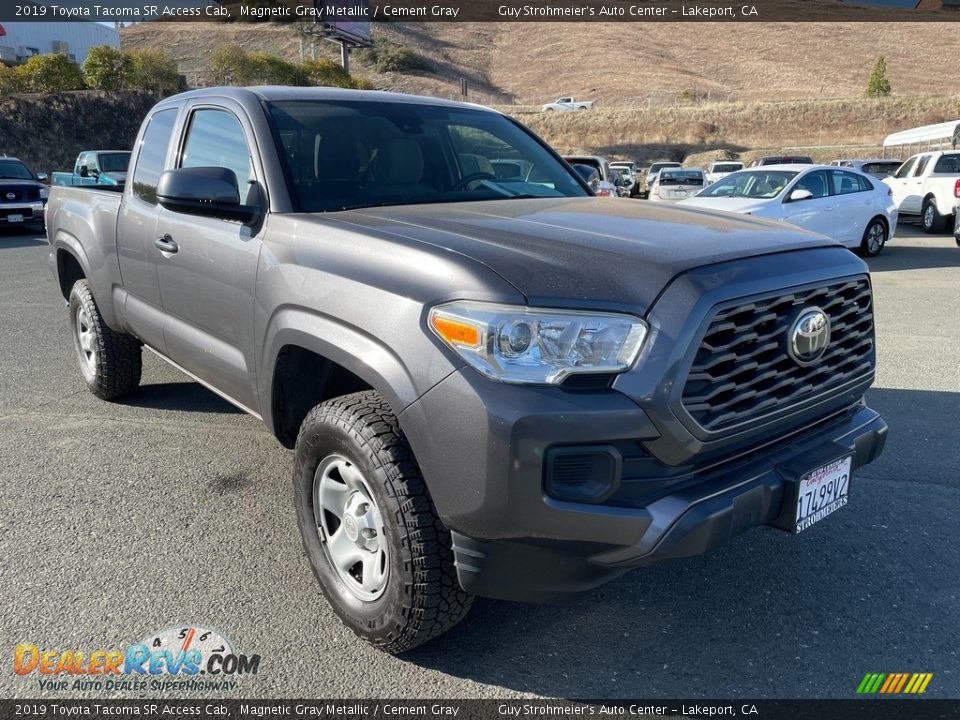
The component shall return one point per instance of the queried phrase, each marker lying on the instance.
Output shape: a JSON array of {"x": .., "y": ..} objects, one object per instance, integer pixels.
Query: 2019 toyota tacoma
[{"x": 497, "y": 386}]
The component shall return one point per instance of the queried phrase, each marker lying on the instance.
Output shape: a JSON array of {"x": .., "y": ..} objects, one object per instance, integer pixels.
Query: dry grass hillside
[
  {"x": 758, "y": 85},
  {"x": 618, "y": 64}
]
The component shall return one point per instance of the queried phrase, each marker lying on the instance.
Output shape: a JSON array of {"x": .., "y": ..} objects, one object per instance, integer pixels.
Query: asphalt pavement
[{"x": 172, "y": 508}]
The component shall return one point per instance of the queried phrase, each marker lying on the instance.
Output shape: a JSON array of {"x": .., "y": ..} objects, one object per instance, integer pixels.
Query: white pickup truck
[
  {"x": 567, "y": 104},
  {"x": 928, "y": 185}
]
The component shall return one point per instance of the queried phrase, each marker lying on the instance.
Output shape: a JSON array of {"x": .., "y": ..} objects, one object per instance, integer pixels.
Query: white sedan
[{"x": 848, "y": 206}]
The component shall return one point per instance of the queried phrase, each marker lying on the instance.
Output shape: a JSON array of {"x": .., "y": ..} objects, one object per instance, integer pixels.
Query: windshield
[
  {"x": 341, "y": 155},
  {"x": 681, "y": 177},
  {"x": 727, "y": 167},
  {"x": 113, "y": 162},
  {"x": 750, "y": 184},
  {"x": 14, "y": 170}
]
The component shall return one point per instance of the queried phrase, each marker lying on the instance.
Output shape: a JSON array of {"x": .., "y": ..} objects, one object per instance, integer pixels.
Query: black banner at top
[
  {"x": 327, "y": 12},
  {"x": 534, "y": 709}
]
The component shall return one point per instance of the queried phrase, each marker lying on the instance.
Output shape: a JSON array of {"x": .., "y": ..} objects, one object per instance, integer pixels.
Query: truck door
[
  {"x": 913, "y": 192},
  {"x": 136, "y": 232},
  {"x": 898, "y": 181},
  {"x": 207, "y": 282}
]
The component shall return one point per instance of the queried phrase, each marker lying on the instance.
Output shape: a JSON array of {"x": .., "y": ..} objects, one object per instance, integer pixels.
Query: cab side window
[
  {"x": 921, "y": 165},
  {"x": 216, "y": 139},
  {"x": 153, "y": 154},
  {"x": 904, "y": 170}
]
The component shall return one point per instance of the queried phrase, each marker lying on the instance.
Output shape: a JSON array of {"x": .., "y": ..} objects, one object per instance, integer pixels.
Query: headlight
[
  {"x": 517, "y": 344},
  {"x": 44, "y": 193}
]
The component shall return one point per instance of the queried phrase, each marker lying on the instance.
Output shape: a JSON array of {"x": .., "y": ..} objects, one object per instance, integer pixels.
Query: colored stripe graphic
[{"x": 894, "y": 683}]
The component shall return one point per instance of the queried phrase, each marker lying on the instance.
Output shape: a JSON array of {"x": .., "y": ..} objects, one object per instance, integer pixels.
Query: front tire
[
  {"x": 111, "y": 363},
  {"x": 373, "y": 538},
  {"x": 874, "y": 238},
  {"x": 930, "y": 218}
]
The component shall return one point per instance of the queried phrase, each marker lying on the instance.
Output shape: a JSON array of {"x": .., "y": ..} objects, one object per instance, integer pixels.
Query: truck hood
[{"x": 616, "y": 252}]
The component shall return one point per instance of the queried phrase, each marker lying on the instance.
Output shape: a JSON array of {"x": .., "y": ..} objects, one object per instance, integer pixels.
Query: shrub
[
  {"x": 326, "y": 73},
  {"x": 52, "y": 72},
  {"x": 267, "y": 69},
  {"x": 230, "y": 66},
  {"x": 9, "y": 80},
  {"x": 152, "y": 70},
  {"x": 107, "y": 68},
  {"x": 387, "y": 56}
]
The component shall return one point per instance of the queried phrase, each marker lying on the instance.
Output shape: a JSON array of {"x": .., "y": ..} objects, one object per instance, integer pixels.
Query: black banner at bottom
[{"x": 172, "y": 709}]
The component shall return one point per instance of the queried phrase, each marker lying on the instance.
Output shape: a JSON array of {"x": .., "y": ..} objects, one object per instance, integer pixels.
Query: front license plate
[
  {"x": 14, "y": 218},
  {"x": 822, "y": 492}
]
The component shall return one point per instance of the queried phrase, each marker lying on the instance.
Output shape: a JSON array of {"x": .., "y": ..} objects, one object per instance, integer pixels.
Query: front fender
[{"x": 362, "y": 354}]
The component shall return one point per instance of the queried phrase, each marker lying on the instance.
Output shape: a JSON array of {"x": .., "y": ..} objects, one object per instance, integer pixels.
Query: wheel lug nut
[{"x": 369, "y": 533}]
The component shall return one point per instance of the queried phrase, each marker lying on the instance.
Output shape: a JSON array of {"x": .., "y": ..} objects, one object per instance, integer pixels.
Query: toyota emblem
[
  {"x": 809, "y": 336},
  {"x": 11, "y": 196}
]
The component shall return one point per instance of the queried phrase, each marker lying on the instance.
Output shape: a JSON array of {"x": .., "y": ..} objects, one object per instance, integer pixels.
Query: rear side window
[
  {"x": 216, "y": 139},
  {"x": 921, "y": 165},
  {"x": 948, "y": 164},
  {"x": 844, "y": 183},
  {"x": 153, "y": 153}
]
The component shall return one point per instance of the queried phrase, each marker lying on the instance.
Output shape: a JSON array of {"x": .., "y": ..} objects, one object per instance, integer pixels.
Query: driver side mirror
[
  {"x": 206, "y": 191},
  {"x": 42, "y": 177},
  {"x": 84, "y": 172},
  {"x": 800, "y": 194}
]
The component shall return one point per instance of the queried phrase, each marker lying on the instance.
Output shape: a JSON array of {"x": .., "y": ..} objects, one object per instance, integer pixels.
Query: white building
[{"x": 20, "y": 40}]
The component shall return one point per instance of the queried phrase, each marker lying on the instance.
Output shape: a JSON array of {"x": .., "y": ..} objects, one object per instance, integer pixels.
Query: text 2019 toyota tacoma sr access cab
[{"x": 495, "y": 385}]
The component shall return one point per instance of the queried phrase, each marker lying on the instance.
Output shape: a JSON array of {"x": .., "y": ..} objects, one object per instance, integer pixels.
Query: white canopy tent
[{"x": 941, "y": 136}]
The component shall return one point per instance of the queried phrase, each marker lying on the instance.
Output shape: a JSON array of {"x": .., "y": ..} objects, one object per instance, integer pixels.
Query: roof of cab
[{"x": 271, "y": 93}]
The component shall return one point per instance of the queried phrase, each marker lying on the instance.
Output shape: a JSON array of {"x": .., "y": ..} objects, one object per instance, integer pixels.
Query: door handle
[{"x": 166, "y": 244}]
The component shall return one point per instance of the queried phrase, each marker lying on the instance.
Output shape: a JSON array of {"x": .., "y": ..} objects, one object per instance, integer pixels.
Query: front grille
[
  {"x": 24, "y": 193},
  {"x": 742, "y": 371}
]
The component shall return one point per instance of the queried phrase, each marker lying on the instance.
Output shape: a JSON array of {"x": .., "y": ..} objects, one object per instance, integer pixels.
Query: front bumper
[
  {"x": 514, "y": 542},
  {"x": 27, "y": 212}
]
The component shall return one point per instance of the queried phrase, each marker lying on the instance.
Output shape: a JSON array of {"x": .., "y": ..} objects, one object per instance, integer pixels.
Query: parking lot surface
[{"x": 174, "y": 508}]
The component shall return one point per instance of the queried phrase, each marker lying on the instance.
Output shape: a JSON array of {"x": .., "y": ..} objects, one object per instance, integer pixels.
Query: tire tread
[{"x": 434, "y": 602}]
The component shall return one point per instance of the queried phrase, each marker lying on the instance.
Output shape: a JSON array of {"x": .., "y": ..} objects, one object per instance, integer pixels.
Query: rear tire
[
  {"x": 376, "y": 545},
  {"x": 930, "y": 218},
  {"x": 874, "y": 238},
  {"x": 111, "y": 363}
]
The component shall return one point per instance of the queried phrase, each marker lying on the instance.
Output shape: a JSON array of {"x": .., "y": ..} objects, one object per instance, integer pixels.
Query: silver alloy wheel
[
  {"x": 350, "y": 526},
  {"x": 876, "y": 237},
  {"x": 929, "y": 216},
  {"x": 86, "y": 343}
]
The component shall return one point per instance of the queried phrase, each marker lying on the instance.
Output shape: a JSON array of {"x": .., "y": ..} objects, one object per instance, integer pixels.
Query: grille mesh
[{"x": 742, "y": 370}]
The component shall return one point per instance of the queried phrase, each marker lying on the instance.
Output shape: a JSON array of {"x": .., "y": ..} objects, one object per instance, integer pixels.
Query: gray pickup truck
[{"x": 496, "y": 386}]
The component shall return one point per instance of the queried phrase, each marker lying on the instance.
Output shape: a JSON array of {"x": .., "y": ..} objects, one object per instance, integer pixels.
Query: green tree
[
  {"x": 878, "y": 85},
  {"x": 107, "y": 68},
  {"x": 152, "y": 70},
  {"x": 51, "y": 72}
]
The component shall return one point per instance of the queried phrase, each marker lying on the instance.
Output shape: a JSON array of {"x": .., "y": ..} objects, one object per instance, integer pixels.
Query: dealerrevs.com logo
[{"x": 176, "y": 658}]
